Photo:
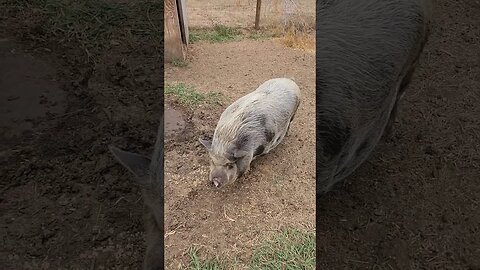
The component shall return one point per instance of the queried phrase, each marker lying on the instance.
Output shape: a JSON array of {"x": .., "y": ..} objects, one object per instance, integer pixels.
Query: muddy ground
[
  {"x": 279, "y": 192},
  {"x": 415, "y": 203},
  {"x": 65, "y": 203}
]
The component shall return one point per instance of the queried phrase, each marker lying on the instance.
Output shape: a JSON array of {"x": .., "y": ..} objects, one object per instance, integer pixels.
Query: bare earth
[
  {"x": 66, "y": 204},
  {"x": 280, "y": 189}
]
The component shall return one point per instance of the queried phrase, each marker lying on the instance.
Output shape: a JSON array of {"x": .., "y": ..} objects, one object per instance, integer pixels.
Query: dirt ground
[
  {"x": 279, "y": 191},
  {"x": 415, "y": 203},
  {"x": 65, "y": 203}
]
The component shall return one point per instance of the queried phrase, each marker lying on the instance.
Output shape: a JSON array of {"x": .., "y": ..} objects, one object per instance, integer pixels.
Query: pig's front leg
[{"x": 243, "y": 165}]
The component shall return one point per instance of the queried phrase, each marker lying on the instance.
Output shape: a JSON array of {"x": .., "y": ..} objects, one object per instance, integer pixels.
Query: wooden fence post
[
  {"x": 257, "y": 15},
  {"x": 175, "y": 47},
  {"x": 183, "y": 20}
]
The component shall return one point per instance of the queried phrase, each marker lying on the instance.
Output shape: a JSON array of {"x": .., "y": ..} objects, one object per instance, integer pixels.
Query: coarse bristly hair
[
  {"x": 366, "y": 52},
  {"x": 257, "y": 118}
]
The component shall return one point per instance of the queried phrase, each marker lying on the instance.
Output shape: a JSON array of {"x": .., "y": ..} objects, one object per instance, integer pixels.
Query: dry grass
[
  {"x": 295, "y": 25},
  {"x": 291, "y": 21},
  {"x": 95, "y": 26},
  {"x": 299, "y": 40},
  {"x": 289, "y": 13}
]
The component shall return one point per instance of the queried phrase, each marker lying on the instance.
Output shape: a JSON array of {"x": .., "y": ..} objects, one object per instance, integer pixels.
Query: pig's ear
[
  {"x": 135, "y": 163},
  {"x": 206, "y": 142}
]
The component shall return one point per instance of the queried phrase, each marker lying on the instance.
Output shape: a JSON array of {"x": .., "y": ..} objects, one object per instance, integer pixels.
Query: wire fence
[{"x": 241, "y": 13}]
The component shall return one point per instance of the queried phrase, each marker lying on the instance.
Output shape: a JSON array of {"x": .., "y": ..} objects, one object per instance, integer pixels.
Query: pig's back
[
  {"x": 251, "y": 119},
  {"x": 362, "y": 49}
]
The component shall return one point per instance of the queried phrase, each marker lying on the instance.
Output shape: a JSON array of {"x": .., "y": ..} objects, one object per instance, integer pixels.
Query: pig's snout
[
  {"x": 216, "y": 182},
  {"x": 218, "y": 178}
]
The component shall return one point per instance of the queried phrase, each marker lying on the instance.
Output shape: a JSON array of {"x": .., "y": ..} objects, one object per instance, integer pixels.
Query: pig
[
  {"x": 367, "y": 51},
  {"x": 148, "y": 173},
  {"x": 251, "y": 127}
]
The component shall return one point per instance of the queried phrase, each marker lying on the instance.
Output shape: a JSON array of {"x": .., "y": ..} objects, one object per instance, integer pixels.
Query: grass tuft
[
  {"x": 290, "y": 249},
  {"x": 187, "y": 95},
  {"x": 85, "y": 21},
  {"x": 179, "y": 63},
  {"x": 299, "y": 40},
  {"x": 296, "y": 29},
  {"x": 198, "y": 264},
  {"x": 94, "y": 25},
  {"x": 219, "y": 33}
]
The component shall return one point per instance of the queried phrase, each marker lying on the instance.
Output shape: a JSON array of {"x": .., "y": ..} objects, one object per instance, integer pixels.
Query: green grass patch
[
  {"x": 198, "y": 264},
  {"x": 219, "y": 33},
  {"x": 179, "y": 63},
  {"x": 190, "y": 97},
  {"x": 289, "y": 249}
]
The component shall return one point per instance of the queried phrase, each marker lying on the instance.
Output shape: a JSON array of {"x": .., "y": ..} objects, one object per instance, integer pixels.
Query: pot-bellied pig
[
  {"x": 251, "y": 126},
  {"x": 149, "y": 175},
  {"x": 367, "y": 51}
]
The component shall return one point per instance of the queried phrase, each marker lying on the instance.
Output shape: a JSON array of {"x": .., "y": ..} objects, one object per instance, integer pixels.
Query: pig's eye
[{"x": 230, "y": 166}]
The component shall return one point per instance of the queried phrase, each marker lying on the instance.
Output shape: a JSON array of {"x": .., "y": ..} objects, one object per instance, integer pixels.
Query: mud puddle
[
  {"x": 28, "y": 90},
  {"x": 174, "y": 121}
]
